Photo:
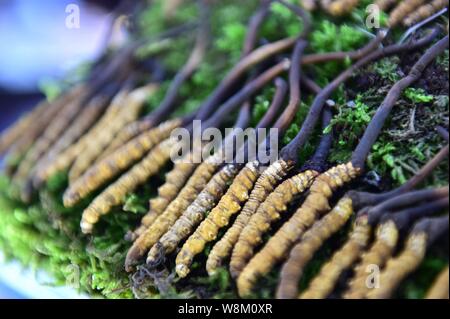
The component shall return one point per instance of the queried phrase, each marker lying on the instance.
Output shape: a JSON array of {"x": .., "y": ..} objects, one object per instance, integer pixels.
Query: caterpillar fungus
[
  {"x": 132, "y": 105},
  {"x": 323, "y": 284},
  {"x": 424, "y": 11},
  {"x": 309, "y": 243},
  {"x": 439, "y": 289},
  {"x": 114, "y": 194},
  {"x": 325, "y": 184},
  {"x": 118, "y": 161},
  {"x": 422, "y": 236},
  {"x": 204, "y": 171},
  {"x": 403, "y": 9},
  {"x": 79, "y": 149},
  {"x": 227, "y": 206},
  {"x": 178, "y": 176},
  {"x": 215, "y": 188},
  {"x": 276, "y": 203}
]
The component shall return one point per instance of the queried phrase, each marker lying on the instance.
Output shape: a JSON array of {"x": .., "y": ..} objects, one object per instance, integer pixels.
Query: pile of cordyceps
[{"x": 355, "y": 206}]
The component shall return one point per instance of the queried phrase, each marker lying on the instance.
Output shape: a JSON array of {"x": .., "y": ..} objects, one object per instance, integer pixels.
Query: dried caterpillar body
[
  {"x": 315, "y": 203},
  {"x": 228, "y": 205},
  {"x": 50, "y": 135},
  {"x": 65, "y": 159},
  {"x": 424, "y": 12},
  {"x": 382, "y": 249},
  {"x": 385, "y": 4},
  {"x": 13, "y": 133},
  {"x": 231, "y": 203},
  {"x": 323, "y": 284},
  {"x": 403, "y": 9},
  {"x": 398, "y": 268},
  {"x": 114, "y": 194},
  {"x": 195, "y": 213},
  {"x": 175, "y": 180},
  {"x": 117, "y": 162},
  {"x": 160, "y": 226},
  {"x": 132, "y": 105},
  {"x": 439, "y": 289},
  {"x": 309, "y": 243},
  {"x": 268, "y": 212},
  {"x": 341, "y": 7},
  {"x": 265, "y": 184}
]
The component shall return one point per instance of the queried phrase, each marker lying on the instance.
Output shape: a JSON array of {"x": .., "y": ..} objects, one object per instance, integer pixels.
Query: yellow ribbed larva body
[
  {"x": 115, "y": 194},
  {"x": 163, "y": 222},
  {"x": 175, "y": 180},
  {"x": 126, "y": 108},
  {"x": 403, "y": 9},
  {"x": 381, "y": 250},
  {"x": 304, "y": 217},
  {"x": 424, "y": 11},
  {"x": 268, "y": 212},
  {"x": 324, "y": 283},
  {"x": 117, "y": 162},
  {"x": 66, "y": 158},
  {"x": 219, "y": 217},
  {"x": 341, "y": 7},
  {"x": 440, "y": 287},
  {"x": 398, "y": 268},
  {"x": 303, "y": 251},
  {"x": 195, "y": 213}
]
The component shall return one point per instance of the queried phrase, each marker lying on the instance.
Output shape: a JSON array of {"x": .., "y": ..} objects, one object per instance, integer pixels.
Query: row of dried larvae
[{"x": 405, "y": 12}]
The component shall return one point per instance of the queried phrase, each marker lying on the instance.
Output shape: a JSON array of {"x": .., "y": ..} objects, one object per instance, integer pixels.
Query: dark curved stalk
[
  {"x": 442, "y": 132},
  {"x": 375, "y": 126},
  {"x": 290, "y": 151},
  {"x": 278, "y": 98},
  {"x": 435, "y": 227}
]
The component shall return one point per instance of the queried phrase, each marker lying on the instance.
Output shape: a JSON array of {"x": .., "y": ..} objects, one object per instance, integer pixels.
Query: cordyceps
[
  {"x": 118, "y": 161},
  {"x": 212, "y": 192},
  {"x": 317, "y": 201},
  {"x": 169, "y": 102},
  {"x": 439, "y": 289},
  {"x": 183, "y": 169},
  {"x": 422, "y": 236},
  {"x": 358, "y": 240},
  {"x": 424, "y": 11},
  {"x": 204, "y": 171},
  {"x": 273, "y": 206},
  {"x": 402, "y": 10},
  {"x": 341, "y": 7}
]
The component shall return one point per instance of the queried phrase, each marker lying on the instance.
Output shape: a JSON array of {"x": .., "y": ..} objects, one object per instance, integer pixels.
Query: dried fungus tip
[
  {"x": 402, "y": 10},
  {"x": 131, "y": 106},
  {"x": 195, "y": 213},
  {"x": 231, "y": 204},
  {"x": 161, "y": 225},
  {"x": 424, "y": 11},
  {"x": 269, "y": 211},
  {"x": 115, "y": 194},
  {"x": 219, "y": 217},
  {"x": 439, "y": 289},
  {"x": 341, "y": 7},
  {"x": 382, "y": 249},
  {"x": 324, "y": 283},
  {"x": 117, "y": 162},
  {"x": 304, "y": 251},
  {"x": 385, "y": 4},
  {"x": 315, "y": 204}
]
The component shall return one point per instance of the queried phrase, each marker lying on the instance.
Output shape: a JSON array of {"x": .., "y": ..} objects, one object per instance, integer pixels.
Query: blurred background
[{"x": 39, "y": 46}]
